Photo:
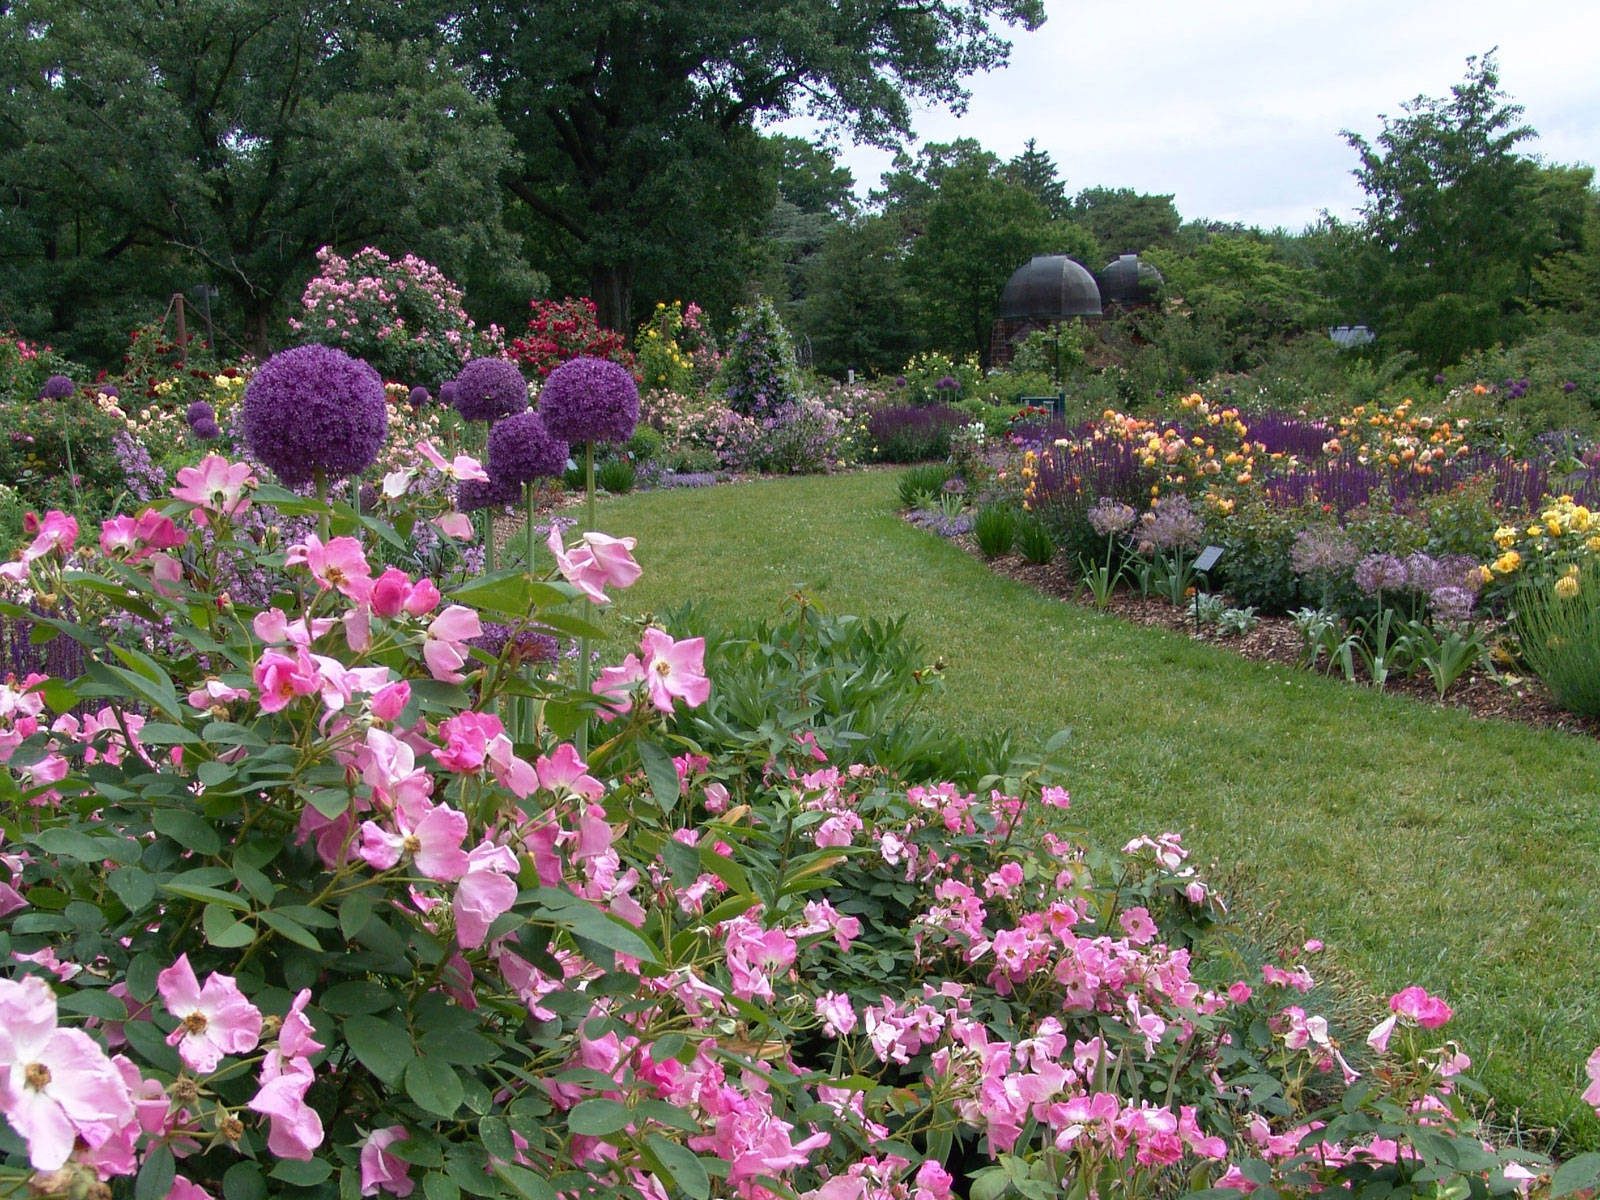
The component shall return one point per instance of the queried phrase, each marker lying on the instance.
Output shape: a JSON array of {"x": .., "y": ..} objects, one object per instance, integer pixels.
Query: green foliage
[
  {"x": 1558, "y": 627},
  {"x": 1034, "y": 542},
  {"x": 615, "y": 475},
  {"x": 759, "y": 374},
  {"x": 925, "y": 479},
  {"x": 60, "y": 454},
  {"x": 1124, "y": 222},
  {"x": 180, "y": 139},
  {"x": 995, "y": 529},
  {"x": 1456, "y": 220},
  {"x": 857, "y": 314}
]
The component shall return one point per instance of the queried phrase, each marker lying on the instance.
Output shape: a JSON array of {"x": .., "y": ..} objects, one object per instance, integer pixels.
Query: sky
[{"x": 1235, "y": 107}]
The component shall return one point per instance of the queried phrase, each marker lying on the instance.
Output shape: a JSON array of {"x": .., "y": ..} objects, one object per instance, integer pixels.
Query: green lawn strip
[{"x": 1422, "y": 846}]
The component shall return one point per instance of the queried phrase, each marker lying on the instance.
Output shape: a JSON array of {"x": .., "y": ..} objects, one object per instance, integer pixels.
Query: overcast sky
[{"x": 1235, "y": 106}]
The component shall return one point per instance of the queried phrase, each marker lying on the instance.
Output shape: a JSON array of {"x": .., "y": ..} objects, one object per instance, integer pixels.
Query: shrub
[
  {"x": 615, "y": 475},
  {"x": 674, "y": 349},
  {"x": 760, "y": 376},
  {"x": 402, "y": 316},
  {"x": 912, "y": 433},
  {"x": 801, "y": 437},
  {"x": 561, "y": 330},
  {"x": 62, "y": 453},
  {"x": 995, "y": 529},
  {"x": 1558, "y": 625}
]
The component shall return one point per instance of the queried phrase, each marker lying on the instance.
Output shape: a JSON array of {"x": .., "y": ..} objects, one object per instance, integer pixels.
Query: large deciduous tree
[
  {"x": 234, "y": 137},
  {"x": 1456, "y": 219},
  {"x": 633, "y": 122}
]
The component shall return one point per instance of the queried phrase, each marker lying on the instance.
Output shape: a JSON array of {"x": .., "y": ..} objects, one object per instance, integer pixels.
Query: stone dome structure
[{"x": 1128, "y": 280}]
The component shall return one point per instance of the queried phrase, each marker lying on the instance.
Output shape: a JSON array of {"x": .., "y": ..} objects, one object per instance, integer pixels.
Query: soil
[{"x": 1481, "y": 692}]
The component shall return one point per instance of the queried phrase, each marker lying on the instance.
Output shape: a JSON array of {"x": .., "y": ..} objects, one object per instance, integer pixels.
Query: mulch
[{"x": 1481, "y": 693}]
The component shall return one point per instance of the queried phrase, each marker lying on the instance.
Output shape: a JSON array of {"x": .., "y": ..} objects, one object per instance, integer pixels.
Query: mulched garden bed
[{"x": 1275, "y": 639}]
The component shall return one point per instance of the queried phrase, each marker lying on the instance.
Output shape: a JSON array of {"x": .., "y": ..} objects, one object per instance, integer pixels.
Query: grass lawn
[{"x": 1422, "y": 846}]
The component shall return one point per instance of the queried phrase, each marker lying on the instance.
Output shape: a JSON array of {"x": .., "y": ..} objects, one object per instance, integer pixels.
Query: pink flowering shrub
[
  {"x": 403, "y": 316},
  {"x": 325, "y": 898}
]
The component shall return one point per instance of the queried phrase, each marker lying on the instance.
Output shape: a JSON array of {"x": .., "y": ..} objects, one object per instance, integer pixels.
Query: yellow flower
[
  {"x": 1508, "y": 562},
  {"x": 1505, "y": 537},
  {"x": 1567, "y": 587}
]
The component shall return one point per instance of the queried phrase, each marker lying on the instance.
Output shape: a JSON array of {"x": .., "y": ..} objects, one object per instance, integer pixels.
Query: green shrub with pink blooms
[{"x": 307, "y": 887}]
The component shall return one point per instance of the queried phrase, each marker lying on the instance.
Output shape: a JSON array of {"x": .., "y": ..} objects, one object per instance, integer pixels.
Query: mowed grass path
[{"x": 1422, "y": 846}]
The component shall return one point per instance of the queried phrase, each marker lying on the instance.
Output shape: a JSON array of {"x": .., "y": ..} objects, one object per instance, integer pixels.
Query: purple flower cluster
[
  {"x": 471, "y": 495},
  {"x": 525, "y": 645},
  {"x": 521, "y": 450},
  {"x": 145, "y": 481},
  {"x": 590, "y": 400},
  {"x": 934, "y": 519},
  {"x": 488, "y": 389},
  {"x": 313, "y": 409},
  {"x": 1110, "y": 517},
  {"x": 419, "y": 396},
  {"x": 202, "y": 420},
  {"x": 913, "y": 432},
  {"x": 1322, "y": 551},
  {"x": 57, "y": 387},
  {"x": 1380, "y": 573},
  {"x": 1171, "y": 524}
]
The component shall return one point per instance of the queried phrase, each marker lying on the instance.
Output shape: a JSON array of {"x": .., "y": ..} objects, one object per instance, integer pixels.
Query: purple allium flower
[
  {"x": 1451, "y": 603},
  {"x": 1380, "y": 573},
  {"x": 947, "y": 383},
  {"x": 527, "y": 646},
  {"x": 313, "y": 408},
  {"x": 447, "y": 393},
  {"x": 1110, "y": 516},
  {"x": 1171, "y": 525},
  {"x": 419, "y": 396},
  {"x": 472, "y": 495},
  {"x": 206, "y": 429},
  {"x": 1322, "y": 551},
  {"x": 200, "y": 411},
  {"x": 899, "y": 381},
  {"x": 1569, "y": 386},
  {"x": 109, "y": 389},
  {"x": 521, "y": 450},
  {"x": 1438, "y": 379},
  {"x": 590, "y": 400},
  {"x": 57, "y": 387},
  {"x": 490, "y": 388}
]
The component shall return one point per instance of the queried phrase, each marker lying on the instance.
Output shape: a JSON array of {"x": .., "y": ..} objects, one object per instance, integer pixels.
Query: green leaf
[
  {"x": 122, "y": 681},
  {"x": 434, "y": 1086},
  {"x": 302, "y": 1174},
  {"x": 95, "y": 1003},
  {"x": 664, "y": 785},
  {"x": 436, "y": 1186},
  {"x": 1574, "y": 1175},
  {"x": 989, "y": 1183},
  {"x": 156, "y": 1175},
  {"x": 214, "y": 774},
  {"x": 495, "y": 1135},
  {"x": 133, "y": 887},
  {"x": 288, "y": 928},
  {"x": 329, "y": 801},
  {"x": 598, "y": 1117},
  {"x": 507, "y": 593},
  {"x": 188, "y": 830},
  {"x": 224, "y": 930},
  {"x": 355, "y": 910},
  {"x": 682, "y": 1164},
  {"x": 142, "y": 972},
  {"x": 74, "y": 843},
  {"x": 382, "y": 1048},
  {"x": 207, "y": 895},
  {"x": 244, "y": 1181},
  {"x": 524, "y": 1182},
  {"x": 584, "y": 920},
  {"x": 160, "y": 733},
  {"x": 358, "y": 997}
]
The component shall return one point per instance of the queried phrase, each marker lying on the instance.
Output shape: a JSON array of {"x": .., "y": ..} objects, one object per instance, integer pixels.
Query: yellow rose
[{"x": 1508, "y": 562}]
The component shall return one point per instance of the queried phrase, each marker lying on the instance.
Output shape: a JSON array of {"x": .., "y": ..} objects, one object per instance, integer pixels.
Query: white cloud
[{"x": 1236, "y": 106}]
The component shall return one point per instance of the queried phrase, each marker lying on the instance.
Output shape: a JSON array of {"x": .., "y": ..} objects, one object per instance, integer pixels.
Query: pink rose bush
[{"x": 327, "y": 898}]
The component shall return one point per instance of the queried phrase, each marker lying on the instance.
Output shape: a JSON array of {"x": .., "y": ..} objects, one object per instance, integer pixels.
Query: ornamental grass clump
[
  {"x": 1558, "y": 624},
  {"x": 313, "y": 413}
]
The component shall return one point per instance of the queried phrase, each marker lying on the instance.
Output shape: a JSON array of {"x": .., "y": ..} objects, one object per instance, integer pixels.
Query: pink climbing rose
[{"x": 212, "y": 1021}]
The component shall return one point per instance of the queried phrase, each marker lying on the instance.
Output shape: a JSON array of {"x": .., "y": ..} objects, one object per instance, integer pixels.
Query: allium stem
[
  {"x": 320, "y": 478},
  {"x": 588, "y": 604}
]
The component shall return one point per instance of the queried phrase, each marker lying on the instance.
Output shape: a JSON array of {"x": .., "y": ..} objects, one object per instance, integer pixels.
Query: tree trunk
[
  {"x": 613, "y": 297},
  {"x": 256, "y": 320}
]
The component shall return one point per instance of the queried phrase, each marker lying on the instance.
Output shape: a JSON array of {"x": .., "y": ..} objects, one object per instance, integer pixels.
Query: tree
[
  {"x": 1240, "y": 283},
  {"x": 1124, "y": 221},
  {"x": 235, "y": 137},
  {"x": 1035, "y": 170},
  {"x": 633, "y": 122},
  {"x": 857, "y": 313},
  {"x": 1455, "y": 219}
]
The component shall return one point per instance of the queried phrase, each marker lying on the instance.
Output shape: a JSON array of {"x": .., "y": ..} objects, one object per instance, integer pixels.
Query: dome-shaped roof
[
  {"x": 1049, "y": 287},
  {"x": 1129, "y": 281}
]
